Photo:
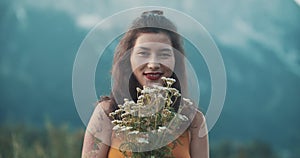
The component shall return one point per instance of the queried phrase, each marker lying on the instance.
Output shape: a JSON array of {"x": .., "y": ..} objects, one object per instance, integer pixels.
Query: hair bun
[{"x": 153, "y": 13}]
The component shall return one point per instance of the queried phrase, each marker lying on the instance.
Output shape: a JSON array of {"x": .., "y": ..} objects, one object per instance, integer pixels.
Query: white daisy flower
[
  {"x": 124, "y": 128},
  {"x": 116, "y": 127},
  {"x": 161, "y": 129},
  {"x": 188, "y": 101},
  {"x": 143, "y": 140},
  {"x": 133, "y": 132},
  {"x": 141, "y": 97},
  {"x": 182, "y": 117}
]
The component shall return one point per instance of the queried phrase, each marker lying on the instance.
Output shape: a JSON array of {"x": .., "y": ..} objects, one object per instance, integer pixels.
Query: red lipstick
[{"x": 153, "y": 75}]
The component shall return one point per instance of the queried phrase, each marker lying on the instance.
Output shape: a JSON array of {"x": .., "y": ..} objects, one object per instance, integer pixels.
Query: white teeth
[{"x": 154, "y": 75}]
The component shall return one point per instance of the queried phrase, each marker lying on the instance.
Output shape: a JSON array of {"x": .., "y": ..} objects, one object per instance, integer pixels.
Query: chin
[{"x": 151, "y": 83}]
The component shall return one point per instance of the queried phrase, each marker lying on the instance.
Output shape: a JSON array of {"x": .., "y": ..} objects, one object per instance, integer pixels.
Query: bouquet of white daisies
[{"x": 149, "y": 125}]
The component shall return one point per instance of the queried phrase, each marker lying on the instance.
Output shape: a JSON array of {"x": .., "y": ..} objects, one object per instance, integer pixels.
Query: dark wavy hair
[{"x": 124, "y": 80}]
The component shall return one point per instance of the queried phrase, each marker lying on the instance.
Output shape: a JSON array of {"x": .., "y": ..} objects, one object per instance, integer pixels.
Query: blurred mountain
[
  {"x": 37, "y": 52},
  {"x": 260, "y": 48}
]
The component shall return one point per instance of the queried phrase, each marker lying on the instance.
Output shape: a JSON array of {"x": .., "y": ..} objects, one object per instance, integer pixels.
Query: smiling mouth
[{"x": 153, "y": 76}]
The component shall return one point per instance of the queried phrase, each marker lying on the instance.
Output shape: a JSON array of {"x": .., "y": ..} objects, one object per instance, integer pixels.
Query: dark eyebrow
[
  {"x": 144, "y": 48},
  {"x": 165, "y": 49},
  {"x": 148, "y": 49}
]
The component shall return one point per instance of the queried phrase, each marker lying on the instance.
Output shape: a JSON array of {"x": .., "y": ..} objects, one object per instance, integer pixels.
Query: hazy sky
[{"x": 270, "y": 24}]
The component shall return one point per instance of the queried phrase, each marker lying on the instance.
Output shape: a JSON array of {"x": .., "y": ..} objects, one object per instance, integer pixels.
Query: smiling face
[{"x": 152, "y": 57}]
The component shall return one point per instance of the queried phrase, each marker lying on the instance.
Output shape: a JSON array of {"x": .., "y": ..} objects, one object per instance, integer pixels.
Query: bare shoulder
[
  {"x": 101, "y": 113},
  {"x": 105, "y": 106},
  {"x": 100, "y": 120},
  {"x": 199, "y": 137},
  {"x": 198, "y": 119}
]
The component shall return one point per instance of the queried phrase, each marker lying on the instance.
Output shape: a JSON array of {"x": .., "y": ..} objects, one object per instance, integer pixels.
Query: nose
[
  {"x": 153, "y": 65},
  {"x": 153, "y": 62}
]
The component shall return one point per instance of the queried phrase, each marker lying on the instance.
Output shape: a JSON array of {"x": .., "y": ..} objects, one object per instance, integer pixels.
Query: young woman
[{"x": 149, "y": 50}]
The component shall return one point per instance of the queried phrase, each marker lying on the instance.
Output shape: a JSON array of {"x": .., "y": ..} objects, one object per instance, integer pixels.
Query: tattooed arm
[
  {"x": 199, "y": 137},
  {"x": 98, "y": 133}
]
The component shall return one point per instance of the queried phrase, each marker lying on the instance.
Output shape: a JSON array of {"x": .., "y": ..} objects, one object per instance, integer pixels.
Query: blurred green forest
[
  {"x": 61, "y": 142},
  {"x": 50, "y": 142}
]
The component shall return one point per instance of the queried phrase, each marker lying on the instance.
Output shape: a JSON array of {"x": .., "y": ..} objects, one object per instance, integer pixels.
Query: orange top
[{"x": 181, "y": 150}]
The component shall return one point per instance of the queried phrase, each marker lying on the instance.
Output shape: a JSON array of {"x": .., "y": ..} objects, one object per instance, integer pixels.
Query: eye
[
  {"x": 143, "y": 53},
  {"x": 165, "y": 55}
]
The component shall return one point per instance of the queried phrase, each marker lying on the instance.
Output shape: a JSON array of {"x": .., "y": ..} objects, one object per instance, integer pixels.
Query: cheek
[
  {"x": 169, "y": 67},
  {"x": 133, "y": 63},
  {"x": 170, "y": 64},
  {"x": 136, "y": 62}
]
